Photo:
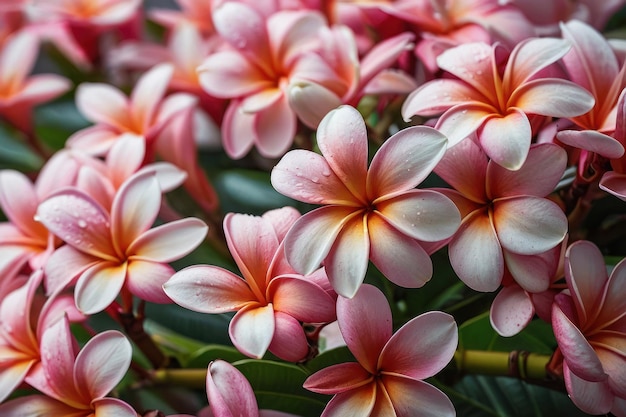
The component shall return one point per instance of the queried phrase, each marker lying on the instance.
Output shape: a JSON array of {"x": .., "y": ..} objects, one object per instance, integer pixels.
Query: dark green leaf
[{"x": 15, "y": 154}]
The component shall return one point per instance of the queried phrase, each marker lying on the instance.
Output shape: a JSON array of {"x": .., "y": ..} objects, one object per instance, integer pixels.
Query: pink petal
[
  {"x": 238, "y": 131},
  {"x": 102, "y": 363},
  {"x": 578, "y": 353},
  {"x": 475, "y": 253},
  {"x": 366, "y": 325},
  {"x": 170, "y": 241},
  {"x": 437, "y": 96},
  {"x": 461, "y": 121},
  {"x": 591, "y": 397},
  {"x": 228, "y": 74},
  {"x": 306, "y": 176},
  {"x": 511, "y": 311},
  {"x": 289, "y": 342},
  {"x": 281, "y": 220},
  {"x": 552, "y": 97},
  {"x": 64, "y": 266},
  {"x": 311, "y": 101},
  {"x": 357, "y": 402},
  {"x": 506, "y": 140},
  {"x": 342, "y": 139},
  {"x": 531, "y": 56},
  {"x": 404, "y": 161},
  {"x": 41, "y": 88},
  {"x": 291, "y": 34},
  {"x": 147, "y": 94},
  {"x": 125, "y": 157},
  {"x": 384, "y": 54},
  {"x": 276, "y": 127},
  {"x": 116, "y": 13},
  {"x": 134, "y": 209},
  {"x": 416, "y": 398},
  {"x": 613, "y": 364},
  {"x": 113, "y": 407},
  {"x": 348, "y": 258},
  {"x": 422, "y": 347},
  {"x": 593, "y": 141},
  {"x": 311, "y": 237},
  {"x": 145, "y": 280},
  {"x": 614, "y": 303},
  {"x": 208, "y": 289},
  {"x": 229, "y": 392},
  {"x": 533, "y": 273},
  {"x": 17, "y": 59},
  {"x": 58, "y": 353},
  {"x": 95, "y": 184},
  {"x": 37, "y": 405},
  {"x": 99, "y": 286},
  {"x": 302, "y": 299},
  {"x": 103, "y": 103},
  {"x": 169, "y": 175},
  {"x": 252, "y": 330},
  {"x": 400, "y": 258},
  {"x": 422, "y": 214},
  {"x": 94, "y": 140},
  {"x": 19, "y": 202},
  {"x": 12, "y": 375},
  {"x": 464, "y": 168},
  {"x": 538, "y": 176},
  {"x": 337, "y": 378},
  {"x": 390, "y": 81},
  {"x": 80, "y": 221},
  {"x": 615, "y": 184}
]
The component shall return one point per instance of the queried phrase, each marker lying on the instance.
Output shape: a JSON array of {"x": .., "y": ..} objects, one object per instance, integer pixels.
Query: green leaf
[
  {"x": 278, "y": 386},
  {"x": 56, "y": 121},
  {"x": 478, "y": 396},
  {"x": 15, "y": 154},
  {"x": 477, "y": 334},
  {"x": 202, "y": 357},
  {"x": 331, "y": 357}
]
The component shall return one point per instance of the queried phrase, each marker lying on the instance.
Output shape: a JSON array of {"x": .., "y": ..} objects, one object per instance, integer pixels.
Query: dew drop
[{"x": 82, "y": 224}]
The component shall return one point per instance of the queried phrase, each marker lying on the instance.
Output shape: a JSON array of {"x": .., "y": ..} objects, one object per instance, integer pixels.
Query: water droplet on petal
[{"x": 82, "y": 224}]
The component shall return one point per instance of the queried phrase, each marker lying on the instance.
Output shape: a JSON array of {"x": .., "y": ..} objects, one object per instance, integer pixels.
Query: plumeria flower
[
  {"x": 614, "y": 182},
  {"x": 507, "y": 222},
  {"x": 372, "y": 214},
  {"x": 230, "y": 394},
  {"x": 143, "y": 115},
  {"x": 387, "y": 379},
  {"x": 19, "y": 92},
  {"x": 76, "y": 383},
  {"x": 496, "y": 104},
  {"x": 605, "y": 82},
  {"x": 117, "y": 251},
  {"x": 24, "y": 316},
  {"x": 271, "y": 300},
  {"x": 589, "y": 322}
]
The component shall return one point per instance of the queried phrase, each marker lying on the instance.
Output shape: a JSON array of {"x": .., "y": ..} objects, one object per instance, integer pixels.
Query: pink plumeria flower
[
  {"x": 589, "y": 322},
  {"x": 507, "y": 222},
  {"x": 198, "y": 13},
  {"x": 76, "y": 383},
  {"x": 387, "y": 378},
  {"x": 374, "y": 214},
  {"x": 255, "y": 73},
  {"x": 19, "y": 92},
  {"x": 271, "y": 300},
  {"x": 117, "y": 251},
  {"x": 230, "y": 393},
  {"x": 614, "y": 182},
  {"x": 496, "y": 104},
  {"x": 143, "y": 115}
]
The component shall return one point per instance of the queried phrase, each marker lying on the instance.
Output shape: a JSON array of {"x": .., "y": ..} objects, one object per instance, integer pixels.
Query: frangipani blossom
[
  {"x": 496, "y": 104},
  {"x": 19, "y": 92},
  {"x": 589, "y": 322},
  {"x": 387, "y": 379},
  {"x": 374, "y": 214},
  {"x": 143, "y": 115},
  {"x": 507, "y": 222},
  {"x": 230, "y": 394},
  {"x": 117, "y": 251},
  {"x": 76, "y": 383},
  {"x": 271, "y": 300}
]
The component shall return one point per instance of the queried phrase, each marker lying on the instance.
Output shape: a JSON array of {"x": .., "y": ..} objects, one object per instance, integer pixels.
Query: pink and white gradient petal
[
  {"x": 338, "y": 378},
  {"x": 229, "y": 392},
  {"x": 511, "y": 311},
  {"x": 289, "y": 342},
  {"x": 301, "y": 299},
  {"x": 98, "y": 287},
  {"x": 145, "y": 280},
  {"x": 252, "y": 329},
  {"x": 591, "y": 397},
  {"x": 103, "y": 104},
  {"x": 417, "y": 398},
  {"x": 506, "y": 140}
]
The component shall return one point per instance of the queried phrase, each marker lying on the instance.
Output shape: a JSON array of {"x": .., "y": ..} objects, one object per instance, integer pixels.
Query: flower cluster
[{"x": 307, "y": 207}]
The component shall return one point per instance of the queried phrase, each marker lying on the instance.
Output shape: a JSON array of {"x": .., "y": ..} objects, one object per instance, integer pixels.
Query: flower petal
[
  {"x": 147, "y": 95},
  {"x": 529, "y": 225},
  {"x": 356, "y": 402},
  {"x": 19, "y": 202},
  {"x": 533, "y": 273},
  {"x": 289, "y": 342},
  {"x": 112, "y": 407},
  {"x": 578, "y": 353},
  {"x": 311, "y": 101},
  {"x": 302, "y": 299},
  {"x": 348, "y": 258},
  {"x": 311, "y": 237},
  {"x": 404, "y": 161},
  {"x": 12, "y": 375},
  {"x": 614, "y": 304},
  {"x": 58, "y": 353},
  {"x": 208, "y": 289},
  {"x": 506, "y": 140},
  {"x": 422, "y": 347},
  {"x": 531, "y": 56},
  {"x": 342, "y": 139},
  {"x": 170, "y": 241},
  {"x": 145, "y": 280},
  {"x": 591, "y": 397},
  {"x": 552, "y": 97},
  {"x": 399, "y": 257},
  {"x": 38, "y": 406},
  {"x": 366, "y": 325},
  {"x": 614, "y": 183},
  {"x": 437, "y": 96},
  {"x": 238, "y": 131},
  {"x": 593, "y": 141},
  {"x": 229, "y": 392},
  {"x": 276, "y": 127},
  {"x": 102, "y": 363},
  {"x": 252, "y": 330},
  {"x": 422, "y": 214},
  {"x": 475, "y": 253},
  {"x": 464, "y": 168},
  {"x": 461, "y": 121},
  {"x": 64, "y": 266},
  {"x": 103, "y": 103},
  {"x": 98, "y": 286},
  {"x": 417, "y": 398},
  {"x": 337, "y": 378},
  {"x": 228, "y": 74},
  {"x": 511, "y": 311}
]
